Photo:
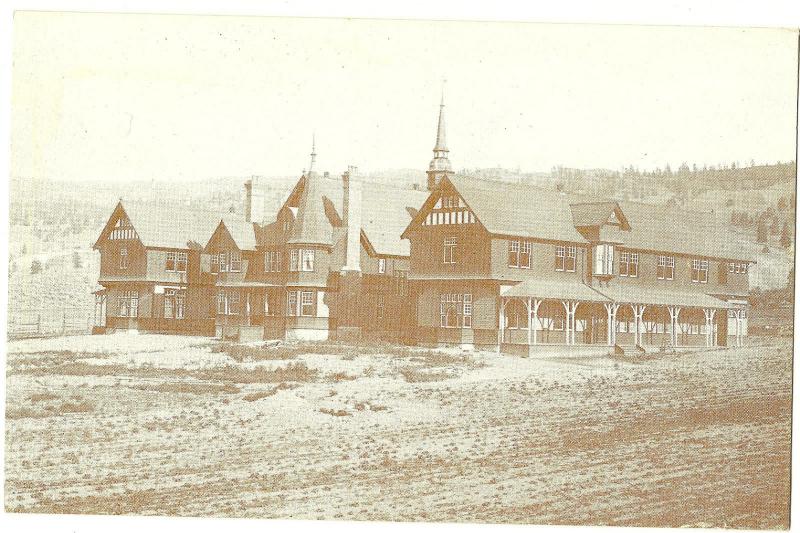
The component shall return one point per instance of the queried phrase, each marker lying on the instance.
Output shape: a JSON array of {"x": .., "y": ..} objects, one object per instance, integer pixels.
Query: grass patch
[
  {"x": 334, "y": 412},
  {"x": 297, "y": 372},
  {"x": 42, "y": 397},
  {"x": 415, "y": 375},
  {"x": 241, "y": 353},
  {"x": 341, "y": 376},
  {"x": 189, "y": 388}
]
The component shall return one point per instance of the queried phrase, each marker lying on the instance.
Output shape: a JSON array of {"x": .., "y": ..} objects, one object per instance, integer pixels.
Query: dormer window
[{"x": 449, "y": 201}]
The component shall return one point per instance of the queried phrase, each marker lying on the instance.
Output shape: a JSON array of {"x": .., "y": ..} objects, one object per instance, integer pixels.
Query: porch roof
[
  {"x": 554, "y": 290},
  {"x": 661, "y": 297}
]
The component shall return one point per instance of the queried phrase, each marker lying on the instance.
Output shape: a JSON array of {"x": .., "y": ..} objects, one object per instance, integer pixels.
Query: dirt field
[{"x": 184, "y": 426}]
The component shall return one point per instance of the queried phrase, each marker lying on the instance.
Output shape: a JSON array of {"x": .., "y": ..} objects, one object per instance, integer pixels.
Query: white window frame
[
  {"x": 699, "y": 270},
  {"x": 129, "y": 304},
  {"x": 666, "y": 263},
  {"x": 291, "y": 303},
  {"x": 174, "y": 304},
  {"x": 631, "y": 262},
  {"x": 381, "y": 265},
  {"x": 604, "y": 259},
  {"x": 123, "y": 258},
  {"x": 457, "y": 305},
  {"x": 272, "y": 261},
  {"x": 449, "y": 250},
  {"x": 306, "y": 302},
  {"x": 308, "y": 257}
]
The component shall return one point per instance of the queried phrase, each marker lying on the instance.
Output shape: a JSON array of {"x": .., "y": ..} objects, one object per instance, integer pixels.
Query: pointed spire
[
  {"x": 313, "y": 151},
  {"x": 440, "y": 164},
  {"x": 441, "y": 135}
]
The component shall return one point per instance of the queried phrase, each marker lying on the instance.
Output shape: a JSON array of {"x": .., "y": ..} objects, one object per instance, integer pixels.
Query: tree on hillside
[
  {"x": 36, "y": 266},
  {"x": 762, "y": 233},
  {"x": 76, "y": 260},
  {"x": 782, "y": 203},
  {"x": 775, "y": 228},
  {"x": 786, "y": 235}
]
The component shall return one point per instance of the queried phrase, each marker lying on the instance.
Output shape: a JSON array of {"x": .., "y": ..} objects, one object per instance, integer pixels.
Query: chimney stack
[
  {"x": 248, "y": 200},
  {"x": 351, "y": 215}
]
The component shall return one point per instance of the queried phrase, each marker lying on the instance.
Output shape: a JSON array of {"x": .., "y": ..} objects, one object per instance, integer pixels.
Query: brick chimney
[
  {"x": 351, "y": 217},
  {"x": 248, "y": 200}
]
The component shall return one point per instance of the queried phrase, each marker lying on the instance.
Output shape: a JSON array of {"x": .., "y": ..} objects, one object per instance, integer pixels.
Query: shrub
[
  {"x": 334, "y": 412},
  {"x": 413, "y": 375}
]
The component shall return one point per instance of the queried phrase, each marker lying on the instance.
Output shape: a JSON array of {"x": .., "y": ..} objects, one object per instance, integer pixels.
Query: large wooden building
[
  {"x": 519, "y": 268},
  {"x": 468, "y": 262}
]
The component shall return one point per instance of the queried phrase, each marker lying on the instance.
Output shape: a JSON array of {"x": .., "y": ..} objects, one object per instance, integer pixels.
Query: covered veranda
[{"x": 583, "y": 319}]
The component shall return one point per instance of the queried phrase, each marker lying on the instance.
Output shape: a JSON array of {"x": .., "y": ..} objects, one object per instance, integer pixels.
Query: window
[
  {"x": 223, "y": 262},
  {"x": 455, "y": 310},
  {"x": 604, "y": 259},
  {"x": 513, "y": 254},
  {"x": 300, "y": 303},
  {"x": 666, "y": 267},
  {"x": 629, "y": 264},
  {"x": 301, "y": 260},
  {"x": 306, "y": 303},
  {"x": 227, "y": 302},
  {"x": 272, "y": 261},
  {"x": 308, "y": 261},
  {"x": 381, "y": 266},
  {"x": 566, "y": 258},
  {"x": 699, "y": 270},
  {"x": 519, "y": 254},
  {"x": 177, "y": 261},
  {"x": 174, "y": 303},
  {"x": 235, "y": 261},
  {"x": 450, "y": 250},
  {"x": 123, "y": 258},
  {"x": 737, "y": 268},
  {"x": 129, "y": 304}
]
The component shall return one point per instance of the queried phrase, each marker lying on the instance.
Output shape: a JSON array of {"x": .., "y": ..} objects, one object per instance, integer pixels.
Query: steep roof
[
  {"x": 385, "y": 212},
  {"x": 527, "y": 211},
  {"x": 242, "y": 232},
  {"x": 311, "y": 225},
  {"x": 165, "y": 225}
]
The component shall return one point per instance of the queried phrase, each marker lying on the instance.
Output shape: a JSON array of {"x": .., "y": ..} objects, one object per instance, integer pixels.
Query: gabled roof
[
  {"x": 163, "y": 225},
  {"x": 242, "y": 232},
  {"x": 587, "y": 214},
  {"x": 522, "y": 210}
]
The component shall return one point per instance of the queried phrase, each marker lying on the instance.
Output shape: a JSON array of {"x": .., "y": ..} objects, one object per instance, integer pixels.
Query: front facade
[
  {"x": 516, "y": 268},
  {"x": 469, "y": 262},
  {"x": 151, "y": 271}
]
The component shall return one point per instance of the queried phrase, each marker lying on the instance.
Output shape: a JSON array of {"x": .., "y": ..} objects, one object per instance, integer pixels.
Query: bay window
[
  {"x": 174, "y": 303},
  {"x": 300, "y": 303},
  {"x": 129, "y": 304},
  {"x": 604, "y": 259}
]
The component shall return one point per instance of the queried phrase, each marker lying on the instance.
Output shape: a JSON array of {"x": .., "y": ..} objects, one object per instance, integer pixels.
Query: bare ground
[{"x": 181, "y": 426}]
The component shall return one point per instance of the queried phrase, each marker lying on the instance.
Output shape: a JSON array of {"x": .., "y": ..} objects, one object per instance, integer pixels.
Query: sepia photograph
[{"x": 361, "y": 269}]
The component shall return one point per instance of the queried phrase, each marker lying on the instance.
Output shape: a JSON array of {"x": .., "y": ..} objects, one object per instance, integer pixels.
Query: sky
[{"x": 168, "y": 97}]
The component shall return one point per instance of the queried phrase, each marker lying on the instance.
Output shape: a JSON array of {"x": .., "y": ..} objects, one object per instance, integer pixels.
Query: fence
[{"x": 49, "y": 322}]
